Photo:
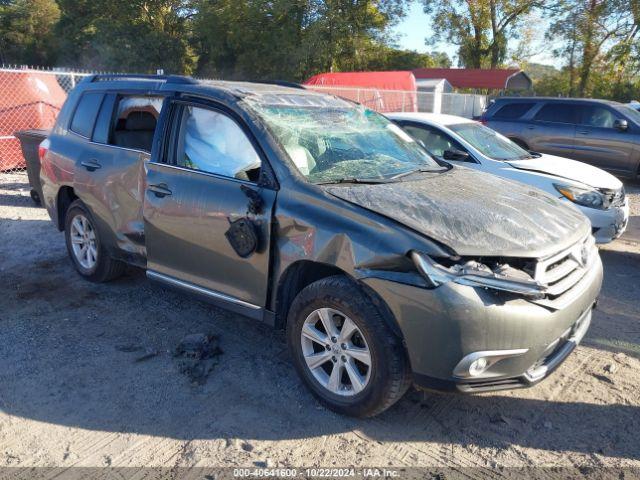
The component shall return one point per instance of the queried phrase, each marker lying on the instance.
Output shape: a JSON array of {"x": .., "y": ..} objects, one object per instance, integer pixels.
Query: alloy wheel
[
  {"x": 83, "y": 242},
  {"x": 336, "y": 352}
]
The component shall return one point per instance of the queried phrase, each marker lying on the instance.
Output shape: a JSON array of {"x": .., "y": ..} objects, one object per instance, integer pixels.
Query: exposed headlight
[
  {"x": 583, "y": 196},
  {"x": 476, "y": 274}
]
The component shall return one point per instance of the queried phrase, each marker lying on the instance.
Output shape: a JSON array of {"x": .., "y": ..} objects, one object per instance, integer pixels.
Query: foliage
[
  {"x": 26, "y": 31},
  {"x": 235, "y": 39},
  {"x": 141, "y": 35},
  {"x": 596, "y": 41},
  {"x": 293, "y": 39},
  {"x": 480, "y": 28},
  {"x": 589, "y": 31}
]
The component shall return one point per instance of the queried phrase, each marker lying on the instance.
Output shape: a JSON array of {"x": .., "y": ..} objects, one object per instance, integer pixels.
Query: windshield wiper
[
  {"x": 352, "y": 180},
  {"x": 420, "y": 170}
]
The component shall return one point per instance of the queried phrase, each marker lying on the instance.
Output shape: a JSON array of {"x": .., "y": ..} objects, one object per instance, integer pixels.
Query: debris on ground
[
  {"x": 620, "y": 358},
  {"x": 197, "y": 354},
  {"x": 247, "y": 447},
  {"x": 499, "y": 418},
  {"x": 611, "y": 368},
  {"x": 602, "y": 378},
  {"x": 148, "y": 354},
  {"x": 128, "y": 348}
]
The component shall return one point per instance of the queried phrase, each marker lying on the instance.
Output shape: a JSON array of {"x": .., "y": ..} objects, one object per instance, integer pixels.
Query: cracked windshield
[{"x": 340, "y": 142}]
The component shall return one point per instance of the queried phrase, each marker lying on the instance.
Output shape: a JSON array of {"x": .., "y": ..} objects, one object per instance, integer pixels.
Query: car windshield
[
  {"x": 631, "y": 113},
  {"x": 489, "y": 142},
  {"x": 331, "y": 140}
]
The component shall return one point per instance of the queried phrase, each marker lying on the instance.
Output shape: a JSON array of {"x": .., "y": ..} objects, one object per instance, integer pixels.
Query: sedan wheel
[{"x": 336, "y": 352}]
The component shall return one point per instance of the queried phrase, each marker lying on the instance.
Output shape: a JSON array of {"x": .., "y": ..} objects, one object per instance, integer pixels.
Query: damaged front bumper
[
  {"x": 447, "y": 328},
  {"x": 555, "y": 354},
  {"x": 608, "y": 225}
]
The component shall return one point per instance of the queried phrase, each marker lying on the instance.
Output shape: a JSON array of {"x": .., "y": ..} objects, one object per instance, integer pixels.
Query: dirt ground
[{"x": 88, "y": 378}]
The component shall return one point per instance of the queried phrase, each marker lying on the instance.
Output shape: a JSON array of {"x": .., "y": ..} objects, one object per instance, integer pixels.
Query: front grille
[{"x": 564, "y": 270}]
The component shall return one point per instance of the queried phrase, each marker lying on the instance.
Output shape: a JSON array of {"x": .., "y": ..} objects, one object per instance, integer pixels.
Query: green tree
[
  {"x": 292, "y": 39},
  {"x": 480, "y": 28},
  {"x": 591, "y": 32},
  {"x": 393, "y": 59},
  {"x": 250, "y": 39},
  {"x": 140, "y": 35},
  {"x": 27, "y": 31}
]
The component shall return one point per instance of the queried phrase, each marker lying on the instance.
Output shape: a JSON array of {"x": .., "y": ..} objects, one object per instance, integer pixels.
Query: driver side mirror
[
  {"x": 621, "y": 125},
  {"x": 455, "y": 154}
]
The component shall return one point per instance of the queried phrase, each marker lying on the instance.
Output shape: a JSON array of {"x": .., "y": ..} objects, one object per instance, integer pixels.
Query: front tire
[
  {"x": 85, "y": 248},
  {"x": 344, "y": 350}
]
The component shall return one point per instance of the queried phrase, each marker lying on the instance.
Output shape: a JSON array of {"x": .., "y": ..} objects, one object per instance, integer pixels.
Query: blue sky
[{"x": 416, "y": 26}]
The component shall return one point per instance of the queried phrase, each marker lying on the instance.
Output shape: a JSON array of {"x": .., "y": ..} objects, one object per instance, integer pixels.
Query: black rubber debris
[{"x": 197, "y": 354}]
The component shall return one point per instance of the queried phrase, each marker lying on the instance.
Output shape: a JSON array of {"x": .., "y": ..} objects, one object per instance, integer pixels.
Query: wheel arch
[
  {"x": 66, "y": 196},
  {"x": 302, "y": 273}
]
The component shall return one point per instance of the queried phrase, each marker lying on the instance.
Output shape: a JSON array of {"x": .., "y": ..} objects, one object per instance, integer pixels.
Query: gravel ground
[{"x": 87, "y": 378}]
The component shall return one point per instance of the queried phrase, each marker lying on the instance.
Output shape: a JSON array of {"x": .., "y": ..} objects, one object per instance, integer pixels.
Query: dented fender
[{"x": 312, "y": 225}]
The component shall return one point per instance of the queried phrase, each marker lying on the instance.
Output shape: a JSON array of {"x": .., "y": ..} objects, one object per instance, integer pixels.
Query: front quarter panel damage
[{"x": 311, "y": 225}]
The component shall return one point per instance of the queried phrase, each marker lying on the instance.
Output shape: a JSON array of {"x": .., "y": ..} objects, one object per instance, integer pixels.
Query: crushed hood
[
  {"x": 474, "y": 213},
  {"x": 569, "y": 169}
]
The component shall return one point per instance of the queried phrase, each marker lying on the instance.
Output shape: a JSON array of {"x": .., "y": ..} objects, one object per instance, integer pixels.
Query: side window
[
  {"x": 434, "y": 141},
  {"x": 103, "y": 124},
  {"x": 212, "y": 142},
  {"x": 598, "y": 117},
  {"x": 557, "y": 113},
  {"x": 512, "y": 111},
  {"x": 133, "y": 121},
  {"x": 86, "y": 112}
]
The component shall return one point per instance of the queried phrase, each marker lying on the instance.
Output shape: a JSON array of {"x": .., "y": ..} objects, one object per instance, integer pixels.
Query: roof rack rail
[
  {"x": 283, "y": 83},
  {"x": 106, "y": 77}
]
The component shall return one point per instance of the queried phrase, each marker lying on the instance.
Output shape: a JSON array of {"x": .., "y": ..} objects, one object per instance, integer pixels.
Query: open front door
[{"x": 207, "y": 220}]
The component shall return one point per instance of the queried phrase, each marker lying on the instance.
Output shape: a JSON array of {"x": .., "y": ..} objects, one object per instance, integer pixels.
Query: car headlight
[
  {"x": 583, "y": 196},
  {"x": 476, "y": 274}
]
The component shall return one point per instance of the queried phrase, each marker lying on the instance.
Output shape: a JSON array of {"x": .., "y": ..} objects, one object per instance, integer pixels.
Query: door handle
[
  {"x": 160, "y": 190},
  {"x": 583, "y": 132},
  {"x": 530, "y": 127},
  {"x": 91, "y": 165}
]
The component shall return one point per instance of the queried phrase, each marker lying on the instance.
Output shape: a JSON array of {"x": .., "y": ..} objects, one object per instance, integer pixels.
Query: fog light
[{"x": 478, "y": 366}]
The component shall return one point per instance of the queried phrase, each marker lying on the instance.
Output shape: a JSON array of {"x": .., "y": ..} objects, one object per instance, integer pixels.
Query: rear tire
[
  {"x": 357, "y": 389},
  {"x": 88, "y": 255}
]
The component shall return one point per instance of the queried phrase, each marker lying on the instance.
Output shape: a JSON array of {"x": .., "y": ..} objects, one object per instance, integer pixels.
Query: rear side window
[
  {"x": 128, "y": 121},
  {"x": 557, "y": 113},
  {"x": 86, "y": 112},
  {"x": 512, "y": 111}
]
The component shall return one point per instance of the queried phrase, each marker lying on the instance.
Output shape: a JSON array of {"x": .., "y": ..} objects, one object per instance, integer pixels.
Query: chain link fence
[
  {"x": 31, "y": 98},
  {"x": 385, "y": 101}
]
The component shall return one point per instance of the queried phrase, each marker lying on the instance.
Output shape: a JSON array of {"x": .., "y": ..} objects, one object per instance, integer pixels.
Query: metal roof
[{"x": 491, "y": 79}]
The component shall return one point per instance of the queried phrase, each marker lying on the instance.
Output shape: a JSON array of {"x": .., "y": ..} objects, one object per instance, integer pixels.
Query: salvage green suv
[{"x": 385, "y": 266}]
